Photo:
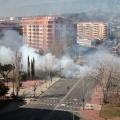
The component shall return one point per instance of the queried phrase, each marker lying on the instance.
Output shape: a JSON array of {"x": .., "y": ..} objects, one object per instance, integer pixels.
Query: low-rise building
[
  {"x": 9, "y": 25},
  {"x": 92, "y": 30}
]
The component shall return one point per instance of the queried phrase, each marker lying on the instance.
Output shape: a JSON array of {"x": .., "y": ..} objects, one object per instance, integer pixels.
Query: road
[{"x": 58, "y": 103}]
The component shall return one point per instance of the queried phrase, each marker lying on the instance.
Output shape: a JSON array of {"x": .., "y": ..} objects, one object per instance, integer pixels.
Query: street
[{"x": 62, "y": 101}]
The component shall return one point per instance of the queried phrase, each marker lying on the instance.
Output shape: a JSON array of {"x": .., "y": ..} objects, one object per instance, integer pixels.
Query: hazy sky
[{"x": 38, "y": 7}]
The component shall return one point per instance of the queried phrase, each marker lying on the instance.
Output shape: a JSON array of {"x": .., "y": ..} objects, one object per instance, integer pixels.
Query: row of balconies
[
  {"x": 40, "y": 38},
  {"x": 40, "y": 29},
  {"x": 47, "y": 35},
  {"x": 39, "y": 32}
]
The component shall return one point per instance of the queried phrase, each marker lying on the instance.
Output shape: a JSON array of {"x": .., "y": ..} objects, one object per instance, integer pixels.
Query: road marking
[
  {"x": 52, "y": 98},
  {"x": 69, "y": 92}
]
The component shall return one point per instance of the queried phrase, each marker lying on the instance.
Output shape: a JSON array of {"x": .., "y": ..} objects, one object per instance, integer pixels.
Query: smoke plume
[{"x": 12, "y": 41}]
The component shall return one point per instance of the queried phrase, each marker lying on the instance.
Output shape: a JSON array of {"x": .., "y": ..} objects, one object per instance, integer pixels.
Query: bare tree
[
  {"x": 60, "y": 47},
  {"x": 106, "y": 75},
  {"x": 56, "y": 49},
  {"x": 17, "y": 63}
]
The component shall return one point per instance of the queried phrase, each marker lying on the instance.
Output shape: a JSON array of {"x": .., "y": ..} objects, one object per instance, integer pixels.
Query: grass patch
[{"x": 109, "y": 111}]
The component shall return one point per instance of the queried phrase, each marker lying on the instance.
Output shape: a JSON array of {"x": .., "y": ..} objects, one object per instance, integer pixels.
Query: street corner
[
  {"x": 27, "y": 102},
  {"x": 89, "y": 114}
]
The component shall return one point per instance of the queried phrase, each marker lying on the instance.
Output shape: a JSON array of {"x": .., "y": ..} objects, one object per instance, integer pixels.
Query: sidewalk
[
  {"x": 27, "y": 89},
  {"x": 92, "y": 110},
  {"x": 40, "y": 88},
  {"x": 28, "y": 93}
]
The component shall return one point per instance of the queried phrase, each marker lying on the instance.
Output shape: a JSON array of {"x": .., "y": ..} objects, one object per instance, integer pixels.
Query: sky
[{"x": 12, "y": 8}]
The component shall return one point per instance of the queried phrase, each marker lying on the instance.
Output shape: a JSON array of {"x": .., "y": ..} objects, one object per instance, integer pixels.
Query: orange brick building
[{"x": 43, "y": 31}]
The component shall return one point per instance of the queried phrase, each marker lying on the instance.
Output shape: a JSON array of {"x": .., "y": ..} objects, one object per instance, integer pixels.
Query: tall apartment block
[
  {"x": 43, "y": 31},
  {"x": 92, "y": 30}
]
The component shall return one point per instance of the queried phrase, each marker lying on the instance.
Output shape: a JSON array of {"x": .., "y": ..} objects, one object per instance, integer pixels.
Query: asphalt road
[{"x": 58, "y": 103}]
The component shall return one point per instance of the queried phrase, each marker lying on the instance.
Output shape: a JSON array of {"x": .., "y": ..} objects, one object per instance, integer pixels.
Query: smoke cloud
[{"x": 12, "y": 41}]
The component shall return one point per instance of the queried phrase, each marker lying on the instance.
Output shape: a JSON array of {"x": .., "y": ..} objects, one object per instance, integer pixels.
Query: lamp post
[
  {"x": 69, "y": 108},
  {"x": 49, "y": 71},
  {"x": 83, "y": 94},
  {"x": 61, "y": 69},
  {"x": 13, "y": 77},
  {"x": 13, "y": 82}
]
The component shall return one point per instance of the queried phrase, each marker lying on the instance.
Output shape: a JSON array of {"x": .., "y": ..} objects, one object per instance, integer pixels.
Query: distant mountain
[{"x": 91, "y": 16}]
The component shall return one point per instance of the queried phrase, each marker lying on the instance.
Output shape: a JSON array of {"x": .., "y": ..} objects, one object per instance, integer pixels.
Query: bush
[{"x": 3, "y": 89}]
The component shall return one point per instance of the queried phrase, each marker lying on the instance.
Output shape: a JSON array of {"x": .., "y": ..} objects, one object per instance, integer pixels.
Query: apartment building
[
  {"x": 9, "y": 25},
  {"x": 43, "y": 31},
  {"x": 92, "y": 30}
]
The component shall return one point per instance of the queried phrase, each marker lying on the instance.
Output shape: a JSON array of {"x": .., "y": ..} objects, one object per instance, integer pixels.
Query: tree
[
  {"x": 33, "y": 68},
  {"x": 28, "y": 67},
  {"x": 18, "y": 70},
  {"x": 34, "y": 88},
  {"x": 57, "y": 48},
  {"x": 5, "y": 70},
  {"x": 106, "y": 75},
  {"x": 3, "y": 89}
]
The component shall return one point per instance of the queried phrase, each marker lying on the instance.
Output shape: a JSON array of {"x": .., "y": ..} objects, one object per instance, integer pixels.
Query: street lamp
[
  {"x": 13, "y": 79},
  {"x": 49, "y": 70},
  {"x": 83, "y": 94},
  {"x": 69, "y": 108},
  {"x": 61, "y": 68}
]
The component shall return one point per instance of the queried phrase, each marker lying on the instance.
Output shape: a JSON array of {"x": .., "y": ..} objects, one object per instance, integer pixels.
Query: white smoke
[
  {"x": 65, "y": 65},
  {"x": 5, "y": 55},
  {"x": 49, "y": 62},
  {"x": 13, "y": 41}
]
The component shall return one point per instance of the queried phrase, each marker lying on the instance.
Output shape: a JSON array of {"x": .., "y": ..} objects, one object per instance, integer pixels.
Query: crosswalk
[{"x": 49, "y": 102}]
